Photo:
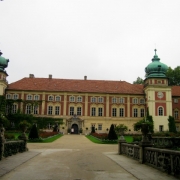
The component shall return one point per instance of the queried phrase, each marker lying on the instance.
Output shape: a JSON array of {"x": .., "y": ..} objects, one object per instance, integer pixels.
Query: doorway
[{"x": 75, "y": 129}]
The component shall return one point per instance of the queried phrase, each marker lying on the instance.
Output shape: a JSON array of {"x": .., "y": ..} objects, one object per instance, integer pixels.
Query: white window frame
[
  {"x": 57, "y": 110},
  {"x": 121, "y": 112},
  {"x": 58, "y": 98},
  {"x": 99, "y": 127},
  {"x": 93, "y": 111},
  {"x": 175, "y": 100},
  {"x": 160, "y": 111},
  {"x": 14, "y": 108},
  {"x": 50, "y": 110},
  {"x": 135, "y": 112},
  {"x": 176, "y": 114},
  {"x": 71, "y": 98},
  {"x": 36, "y": 109},
  {"x": 114, "y": 112},
  {"x": 79, "y": 111},
  {"x": 135, "y": 100},
  {"x": 71, "y": 110},
  {"x": 93, "y": 99},
  {"x": 121, "y": 100},
  {"x": 8, "y": 96},
  {"x": 15, "y": 96},
  {"x": 36, "y": 97},
  {"x": 142, "y": 101},
  {"x": 79, "y": 99},
  {"x": 100, "y": 99},
  {"x": 50, "y": 98},
  {"x": 28, "y": 109},
  {"x": 142, "y": 112},
  {"x": 100, "y": 111},
  {"x": 29, "y": 97},
  {"x": 161, "y": 128},
  {"x": 114, "y": 100}
]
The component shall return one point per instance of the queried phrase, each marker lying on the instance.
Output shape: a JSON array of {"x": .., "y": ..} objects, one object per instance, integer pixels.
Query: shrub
[
  {"x": 44, "y": 134},
  {"x": 137, "y": 138},
  {"x": 171, "y": 124},
  {"x": 9, "y": 136},
  {"x": 33, "y": 133},
  {"x": 100, "y": 136},
  {"x": 112, "y": 134}
]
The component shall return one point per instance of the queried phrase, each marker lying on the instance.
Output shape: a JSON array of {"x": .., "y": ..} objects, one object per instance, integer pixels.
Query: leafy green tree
[
  {"x": 118, "y": 127},
  {"x": 138, "y": 81},
  {"x": 174, "y": 76},
  {"x": 112, "y": 134},
  {"x": 171, "y": 124}
]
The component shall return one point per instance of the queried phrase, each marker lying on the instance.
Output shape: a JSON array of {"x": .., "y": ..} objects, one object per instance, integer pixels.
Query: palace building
[{"x": 83, "y": 103}]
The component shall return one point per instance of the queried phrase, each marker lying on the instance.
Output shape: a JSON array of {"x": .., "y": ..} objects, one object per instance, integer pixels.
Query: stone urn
[{"x": 121, "y": 133}]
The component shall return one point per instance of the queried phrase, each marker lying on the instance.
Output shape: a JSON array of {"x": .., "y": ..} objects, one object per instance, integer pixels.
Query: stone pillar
[{"x": 120, "y": 145}]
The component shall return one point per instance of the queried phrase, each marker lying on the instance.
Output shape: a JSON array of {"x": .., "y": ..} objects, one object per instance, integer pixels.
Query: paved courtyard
[{"x": 74, "y": 157}]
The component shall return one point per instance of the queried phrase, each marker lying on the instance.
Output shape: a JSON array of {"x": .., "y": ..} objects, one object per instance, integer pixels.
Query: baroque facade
[{"x": 99, "y": 103}]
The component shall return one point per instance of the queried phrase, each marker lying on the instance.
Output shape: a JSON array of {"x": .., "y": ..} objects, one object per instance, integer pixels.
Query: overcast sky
[{"x": 102, "y": 39}]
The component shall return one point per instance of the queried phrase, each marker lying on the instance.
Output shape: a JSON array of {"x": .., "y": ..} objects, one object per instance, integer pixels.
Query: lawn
[{"x": 98, "y": 141}]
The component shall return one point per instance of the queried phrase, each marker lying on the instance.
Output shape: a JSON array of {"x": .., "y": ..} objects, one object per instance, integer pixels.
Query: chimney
[
  {"x": 31, "y": 75},
  {"x": 50, "y": 76},
  {"x": 85, "y": 77}
]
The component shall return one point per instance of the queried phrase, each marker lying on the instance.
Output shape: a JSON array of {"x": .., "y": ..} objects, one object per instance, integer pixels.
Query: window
[
  {"x": 100, "y": 100},
  {"x": 121, "y": 112},
  {"x": 175, "y": 100},
  {"x": 14, "y": 108},
  {"x": 35, "y": 109},
  {"x": 29, "y": 97},
  {"x": 50, "y": 110},
  {"x": 36, "y": 97},
  {"x": 28, "y": 109},
  {"x": 114, "y": 100},
  {"x": 71, "y": 111},
  {"x": 8, "y": 96},
  {"x": 79, "y": 111},
  {"x": 58, "y": 98},
  {"x": 50, "y": 98},
  {"x": 8, "y": 109},
  {"x": 160, "y": 111},
  {"x": 114, "y": 112},
  {"x": 93, "y": 111},
  {"x": 79, "y": 99},
  {"x": 161, "y": 128},
  {"x": 176, "y": 114},
  {"x": 57, "y": 110},
  {"x": 142, "y": 112},
  {"x": 72, "y": 99},
  {"x": 135, "y": 101},
  {"x": 15, "y": 96},
  {"x": 93, "y": 99},
  {"x": 135, "y": 112},
  {"x": 121, "y": 100},
  {"x": 100, "y": 111},
  {"x": 142, "y": 101},
  {"x": 99, "y": 126}
]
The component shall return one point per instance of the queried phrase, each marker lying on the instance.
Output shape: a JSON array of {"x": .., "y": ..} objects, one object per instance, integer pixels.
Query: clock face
[{"x": 160, "y": 94}]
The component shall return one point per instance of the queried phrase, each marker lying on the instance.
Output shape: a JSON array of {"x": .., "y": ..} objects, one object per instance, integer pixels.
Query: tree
[
  {"x": 138, "y": 81},
  {"x": 33, "y": 132},
  {"x": 112, "y": 134},
  {"x": 118, "y": 127},
  {"x": 174, "y": 76},
  {"x": 171, "y": 124}
]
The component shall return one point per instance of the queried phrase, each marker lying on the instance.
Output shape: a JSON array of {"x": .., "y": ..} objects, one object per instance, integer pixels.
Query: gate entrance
[{"x": 74, "y": 129}]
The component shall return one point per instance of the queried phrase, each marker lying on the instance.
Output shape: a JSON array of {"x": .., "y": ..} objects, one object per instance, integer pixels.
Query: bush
[
  {"x": 137, "y": 138},
  {"x": 33, "y": 133},
  {"x": 9, "y": 136},
  {"x": 112, "y": 134},
  {"x": 100, "y": 136}
]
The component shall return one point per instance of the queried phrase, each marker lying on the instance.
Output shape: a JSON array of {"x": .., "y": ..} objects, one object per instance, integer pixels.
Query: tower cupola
[
  {"x": 3, "y": 63},
  {"x": 156, "y": 68}
]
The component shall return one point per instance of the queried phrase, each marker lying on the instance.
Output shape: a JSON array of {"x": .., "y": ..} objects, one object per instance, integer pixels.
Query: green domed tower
[
  {"x": 158, "y": 93},
  {"x": 3, "y": 74}
]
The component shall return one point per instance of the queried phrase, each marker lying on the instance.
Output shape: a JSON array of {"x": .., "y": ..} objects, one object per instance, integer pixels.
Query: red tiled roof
[
  {"x": 70, "y": 85},
  {"x": 175, "y": 90}
]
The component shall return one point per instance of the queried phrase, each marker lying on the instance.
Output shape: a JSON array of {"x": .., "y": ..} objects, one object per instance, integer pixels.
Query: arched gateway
[{"x": 75, "y": 124}]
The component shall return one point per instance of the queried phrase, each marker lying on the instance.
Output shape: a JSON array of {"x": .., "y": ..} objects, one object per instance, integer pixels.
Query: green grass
[
  {"x": 128, "y": 139},
  {"x": 51, "y": 139}
]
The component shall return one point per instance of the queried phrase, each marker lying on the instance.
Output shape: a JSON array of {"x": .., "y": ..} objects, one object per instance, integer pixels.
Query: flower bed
[
  {"x": 44, "y": 134},
  {"x": 100, "y": 136}
]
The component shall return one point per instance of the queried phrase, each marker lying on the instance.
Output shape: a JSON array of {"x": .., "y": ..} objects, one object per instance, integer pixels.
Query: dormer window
[
  {"x": 36, "y": 97},
  {"x": 142, "y": 101},
  {"x": 8, "y": 96},
  {"x": 79, "y": 99},
  {"x": 135, "y": 101},
  {"x": 93, "y": 99},
  {"x": 100, "y": 100},
  {"x": 114, "y": 100},
  {"x": 58, "y": 98},
  {"x": 15, "y": 96},
  {"x": 72, "y": 99}
]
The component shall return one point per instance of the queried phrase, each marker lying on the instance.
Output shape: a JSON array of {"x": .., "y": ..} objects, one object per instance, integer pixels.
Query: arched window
[
  {"x": 160, "y": 111},
  {"x": 50, "y": 98}
]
